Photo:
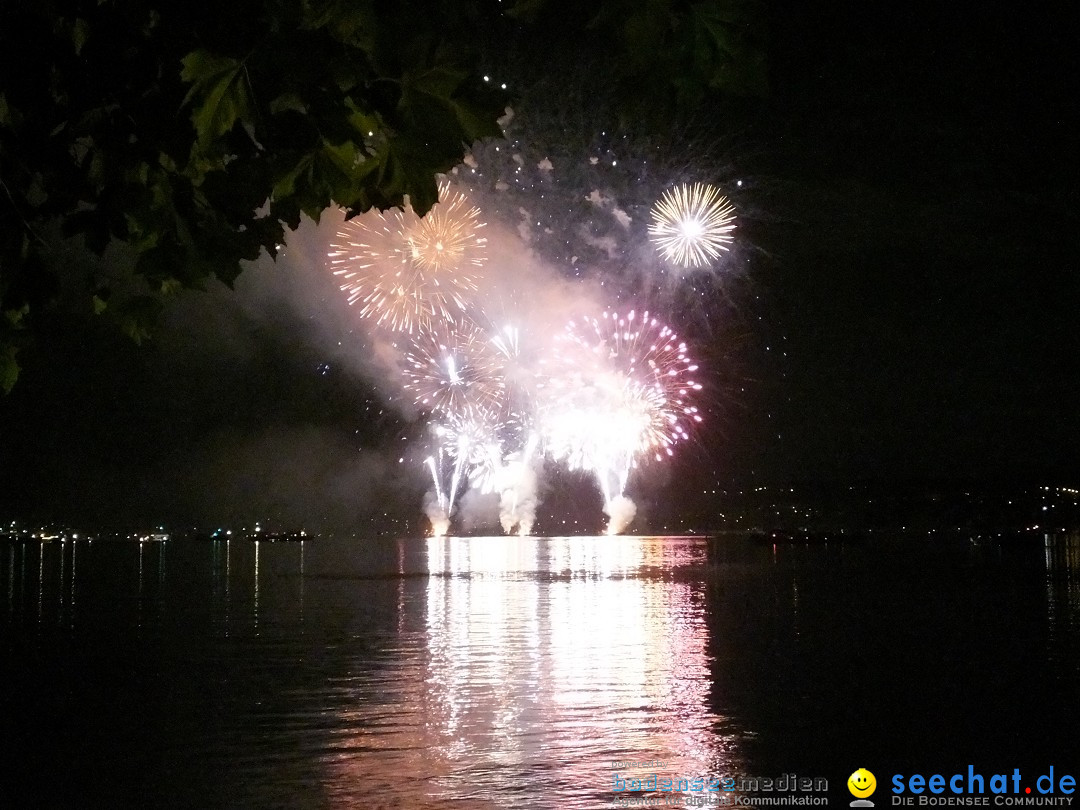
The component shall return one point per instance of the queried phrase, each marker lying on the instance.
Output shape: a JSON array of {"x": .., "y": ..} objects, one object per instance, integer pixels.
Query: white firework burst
[{"x": 691, "y": 224}]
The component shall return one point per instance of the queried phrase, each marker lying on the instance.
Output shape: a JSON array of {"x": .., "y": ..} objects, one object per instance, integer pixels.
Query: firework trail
[
  {"x": 474, "y": 446},
  {"x": 467, "y": 451},
  {"x": 458, "y": 373},
  {"x": 516, "y": 483},
  {"x": 436, "y": 505}
]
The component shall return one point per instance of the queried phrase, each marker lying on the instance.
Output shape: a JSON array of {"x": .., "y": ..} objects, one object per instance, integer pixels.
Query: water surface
[{"x": 507, "y": 672}]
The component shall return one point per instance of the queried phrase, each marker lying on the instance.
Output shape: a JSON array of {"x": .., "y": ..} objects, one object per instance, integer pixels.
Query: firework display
[
  {"x": 691, "y": 224},
  {"x": 602, "y": 391}
]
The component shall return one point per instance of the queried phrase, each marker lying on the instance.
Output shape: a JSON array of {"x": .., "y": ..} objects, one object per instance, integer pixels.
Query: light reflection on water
[
  {"x": 505, "y": 672},
  {"x": 542, "y": 662},
  {"x": 1063, "y": 604}
]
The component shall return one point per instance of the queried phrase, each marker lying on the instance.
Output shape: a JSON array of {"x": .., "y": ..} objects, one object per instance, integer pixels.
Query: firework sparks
[
  {"x": 598, "y": 430},
  {"x": 448, "y": 238},
  {"x": 507, "y": 342},
  {"x": 452, "y": 370},
  {"x": 474, "y": 446},
  {"x": 646, "y": 370},
  {"x": 691, "y": 224},
  {"x": 621, "y": 391},
  {"x": 517, "y": 357},
  {"x": 408, "y": 272}
]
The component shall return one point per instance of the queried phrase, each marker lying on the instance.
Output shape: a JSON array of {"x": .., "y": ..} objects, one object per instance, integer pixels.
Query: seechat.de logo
[{"x": 862, "y": 784}]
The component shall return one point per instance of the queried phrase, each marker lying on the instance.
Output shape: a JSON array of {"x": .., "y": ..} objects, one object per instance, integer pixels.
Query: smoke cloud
[{"x": 621, "y": 511}]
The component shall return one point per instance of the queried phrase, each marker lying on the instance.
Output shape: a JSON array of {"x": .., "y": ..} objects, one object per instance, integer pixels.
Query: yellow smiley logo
[{"x": 861, "y": 783}]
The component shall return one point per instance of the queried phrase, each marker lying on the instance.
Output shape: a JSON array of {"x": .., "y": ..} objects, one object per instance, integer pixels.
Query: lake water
[{"x": 513, "y": 673}]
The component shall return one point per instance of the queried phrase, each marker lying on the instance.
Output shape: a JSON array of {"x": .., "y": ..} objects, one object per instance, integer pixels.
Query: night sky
[
  {"x": 928, "y": 280},
  {"x": 907, "y": 308}
]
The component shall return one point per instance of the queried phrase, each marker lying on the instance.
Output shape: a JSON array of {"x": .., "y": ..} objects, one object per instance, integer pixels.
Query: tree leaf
[
  {"x": 526, "y": 10},
  {"x": 15, "y": 317},
  {"x": 287, "y": 101},
  {"x": 80, "y": 30},
  {"x": 350, "y": 21},
  {"x": 286, "y": 185},
  {"x": 219, "y": 93},
  {"x": 9, "y": 368},
  {"x": 137, "y": 316},
  {"x": 92, "y": 225},
  {"x": 403, "y": 174},
  {"x": 433, "y": 102}
]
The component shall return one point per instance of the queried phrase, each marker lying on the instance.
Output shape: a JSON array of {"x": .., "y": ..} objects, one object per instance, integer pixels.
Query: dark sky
[
  {"x": 910, "y": 310},
  {"x": 926, "y": 280}
]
